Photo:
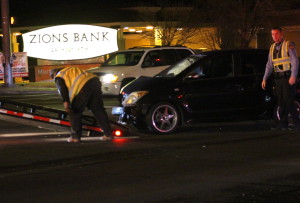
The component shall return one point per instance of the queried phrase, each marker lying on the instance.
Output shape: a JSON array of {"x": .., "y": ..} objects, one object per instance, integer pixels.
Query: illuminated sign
[{"x": 70, "y": 42}]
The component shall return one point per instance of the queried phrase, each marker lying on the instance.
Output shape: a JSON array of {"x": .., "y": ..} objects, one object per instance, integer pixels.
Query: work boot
[
  {"x": 295, "y": 127},
  {"x": 279, "y": 128}
]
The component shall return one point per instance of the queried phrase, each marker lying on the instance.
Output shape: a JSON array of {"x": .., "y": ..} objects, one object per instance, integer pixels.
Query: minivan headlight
[
  {"x": 134, "y": 97},
  {"x": 110, "y": 78}
]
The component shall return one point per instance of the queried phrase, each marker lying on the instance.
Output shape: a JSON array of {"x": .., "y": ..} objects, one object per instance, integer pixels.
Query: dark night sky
[
  {"x": 55, "y": 12},
  {"x": 51, "y": 12}
]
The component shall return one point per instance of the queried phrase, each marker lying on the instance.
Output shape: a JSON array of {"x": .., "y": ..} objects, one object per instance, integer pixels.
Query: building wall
[
  {"x": 199, "y": 41},
  {"x": 293, "y": 34},
  {"x": 136, "y": 40}
]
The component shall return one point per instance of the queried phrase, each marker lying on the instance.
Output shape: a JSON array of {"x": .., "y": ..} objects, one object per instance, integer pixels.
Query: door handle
[{"x": 240, "y": 88}]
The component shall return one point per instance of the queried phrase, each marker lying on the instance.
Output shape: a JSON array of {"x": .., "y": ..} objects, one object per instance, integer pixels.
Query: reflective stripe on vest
[
  {"x": 281, "y": 60},
  {"x": 75, "y": 78}
]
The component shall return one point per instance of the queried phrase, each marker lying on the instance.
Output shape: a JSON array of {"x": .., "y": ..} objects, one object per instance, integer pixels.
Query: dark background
[{"x": 50, "y": 12}]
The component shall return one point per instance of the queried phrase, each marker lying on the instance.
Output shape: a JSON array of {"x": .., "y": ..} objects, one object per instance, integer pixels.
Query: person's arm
[
  {"x": 268, "y": 71},
  {"x": 294, "y": 63},
  {"x": 64, "y": 92}
]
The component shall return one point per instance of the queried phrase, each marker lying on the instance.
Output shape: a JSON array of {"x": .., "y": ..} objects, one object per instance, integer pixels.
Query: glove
[{"x": 67, "y": 107}]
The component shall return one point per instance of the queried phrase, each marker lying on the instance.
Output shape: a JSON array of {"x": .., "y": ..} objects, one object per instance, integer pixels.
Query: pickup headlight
[
  {"x": 110, "y": 78},
  {"x": 133, "y": 98}
]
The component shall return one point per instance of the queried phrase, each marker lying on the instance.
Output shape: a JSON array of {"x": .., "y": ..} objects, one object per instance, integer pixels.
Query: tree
[
  {"x": 252, "y": 15},
  {"x": 225, "y": 24},
  {"x": 211, "y": 38},
  {"x": 171, "y": 21},
  {"x": 237, "y": 21}
]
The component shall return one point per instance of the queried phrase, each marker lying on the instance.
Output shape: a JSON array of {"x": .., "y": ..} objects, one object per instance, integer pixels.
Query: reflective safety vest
[
  {"x": 75, "y": 78},
  {"x": 281, "y": 58}
]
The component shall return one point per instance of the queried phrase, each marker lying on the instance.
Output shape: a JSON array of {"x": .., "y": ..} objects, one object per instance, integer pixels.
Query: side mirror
[
  {"x": 146, "y": 64},
  {"x": 194, "y": 75}
]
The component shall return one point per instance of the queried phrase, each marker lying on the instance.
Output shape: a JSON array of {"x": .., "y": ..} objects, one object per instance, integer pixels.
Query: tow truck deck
[{"x": 54, "y": 117}]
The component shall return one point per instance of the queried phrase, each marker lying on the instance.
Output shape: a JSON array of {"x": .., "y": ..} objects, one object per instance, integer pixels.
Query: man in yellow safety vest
[
  {"x": 80, "y": 89},
  {"x": 283, "y": 63}
]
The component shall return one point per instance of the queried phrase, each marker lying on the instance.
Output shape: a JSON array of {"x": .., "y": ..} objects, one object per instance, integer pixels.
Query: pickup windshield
[{"x": 126, "y": 58}]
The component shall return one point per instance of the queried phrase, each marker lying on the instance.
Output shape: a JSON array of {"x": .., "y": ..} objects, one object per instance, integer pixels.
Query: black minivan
[{"x": 211, "y": 86}]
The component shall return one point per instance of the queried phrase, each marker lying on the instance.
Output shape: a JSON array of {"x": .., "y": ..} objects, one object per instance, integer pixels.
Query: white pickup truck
[{"x": 124, "y": 66}]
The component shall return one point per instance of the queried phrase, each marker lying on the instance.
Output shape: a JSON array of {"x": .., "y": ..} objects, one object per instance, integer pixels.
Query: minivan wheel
[
  {"x": 276, "y": 114},
  {"x": 162, "y": 118}
]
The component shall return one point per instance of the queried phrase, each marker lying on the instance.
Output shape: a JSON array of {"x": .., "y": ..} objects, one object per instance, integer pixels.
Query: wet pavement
[
  {"x": 212, "y": 162},
  {"x": 31, "y": 87}
]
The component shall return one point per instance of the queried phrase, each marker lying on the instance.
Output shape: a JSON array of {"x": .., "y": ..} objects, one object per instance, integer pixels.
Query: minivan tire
[
  {"x": 276, "y": 115},
  {"x": 162, "y": 118}
]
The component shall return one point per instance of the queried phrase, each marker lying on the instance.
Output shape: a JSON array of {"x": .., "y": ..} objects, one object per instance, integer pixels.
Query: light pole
[{"x": 8, "y": 80}]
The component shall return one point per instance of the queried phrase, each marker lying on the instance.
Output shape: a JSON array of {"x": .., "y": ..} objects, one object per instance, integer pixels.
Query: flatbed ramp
[{"x": 50, "y": 116}]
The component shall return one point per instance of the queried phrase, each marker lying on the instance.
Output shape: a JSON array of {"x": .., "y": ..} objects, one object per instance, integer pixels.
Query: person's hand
[
  {"x": 292, "y": 80},
  {"x": 263, "y": 84},
  {"x": 67, "y": 107}
]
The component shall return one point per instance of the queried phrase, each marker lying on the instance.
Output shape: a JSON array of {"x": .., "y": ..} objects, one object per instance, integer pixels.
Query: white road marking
[
  {"x": 33, "y": 134},
  {"x": 89, "y": 139},
  {"x": 59, "y": 133}
]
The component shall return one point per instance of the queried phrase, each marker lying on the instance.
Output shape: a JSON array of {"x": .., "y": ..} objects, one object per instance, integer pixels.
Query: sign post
[{"x": 8, "y": 80}]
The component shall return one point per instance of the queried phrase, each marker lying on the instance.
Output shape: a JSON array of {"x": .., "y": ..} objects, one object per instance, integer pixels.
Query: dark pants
[
  {"x": 286, "y": 100},
  {"x": 90, "y": 96}
]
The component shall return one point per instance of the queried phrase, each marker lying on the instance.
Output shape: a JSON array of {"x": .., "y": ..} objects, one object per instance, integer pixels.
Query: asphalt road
[
  {"x": 211, "y": 162},
  {"x": 225, "y": 162},
  {"x": 53, "y": 100}
]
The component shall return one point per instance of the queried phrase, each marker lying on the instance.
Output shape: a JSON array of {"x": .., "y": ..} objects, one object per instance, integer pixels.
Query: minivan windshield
[
  {"x": 126, "y": 58},
  {"x": 177, "y": 68}
]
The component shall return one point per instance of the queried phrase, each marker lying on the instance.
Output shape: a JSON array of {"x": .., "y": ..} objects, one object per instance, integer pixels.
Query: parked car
[
  {"x": 124, "y": 66},
  {"x": 210, "y": 86}
]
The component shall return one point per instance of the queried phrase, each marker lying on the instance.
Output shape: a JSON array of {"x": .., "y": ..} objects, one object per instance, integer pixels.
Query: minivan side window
[
  {"x": 199, "y": 70},
  {"x": 218, "y": 66},
  {"x": 213, "y": 67},
  {"x": 253, "y": 63},
  {"x": 222, "y": 65}
]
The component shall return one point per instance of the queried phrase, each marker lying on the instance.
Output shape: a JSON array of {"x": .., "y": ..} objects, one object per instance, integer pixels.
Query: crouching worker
[{"x": 80, "y": 89}]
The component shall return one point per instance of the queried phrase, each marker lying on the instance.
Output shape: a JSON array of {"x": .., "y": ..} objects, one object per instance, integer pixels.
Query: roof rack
[
  {"x": 179, "y": 45},
  {"x": 143, "y": 46},
  {"x": 155, "y": 46}
]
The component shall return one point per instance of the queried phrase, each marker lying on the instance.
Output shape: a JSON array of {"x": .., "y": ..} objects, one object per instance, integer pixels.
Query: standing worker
[
  {"x": 80, "y": 89},
  {"x": 283, "y": 61}
]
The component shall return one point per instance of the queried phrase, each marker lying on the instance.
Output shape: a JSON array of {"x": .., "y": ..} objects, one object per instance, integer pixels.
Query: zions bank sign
[{"x": 70, "y": 42}]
